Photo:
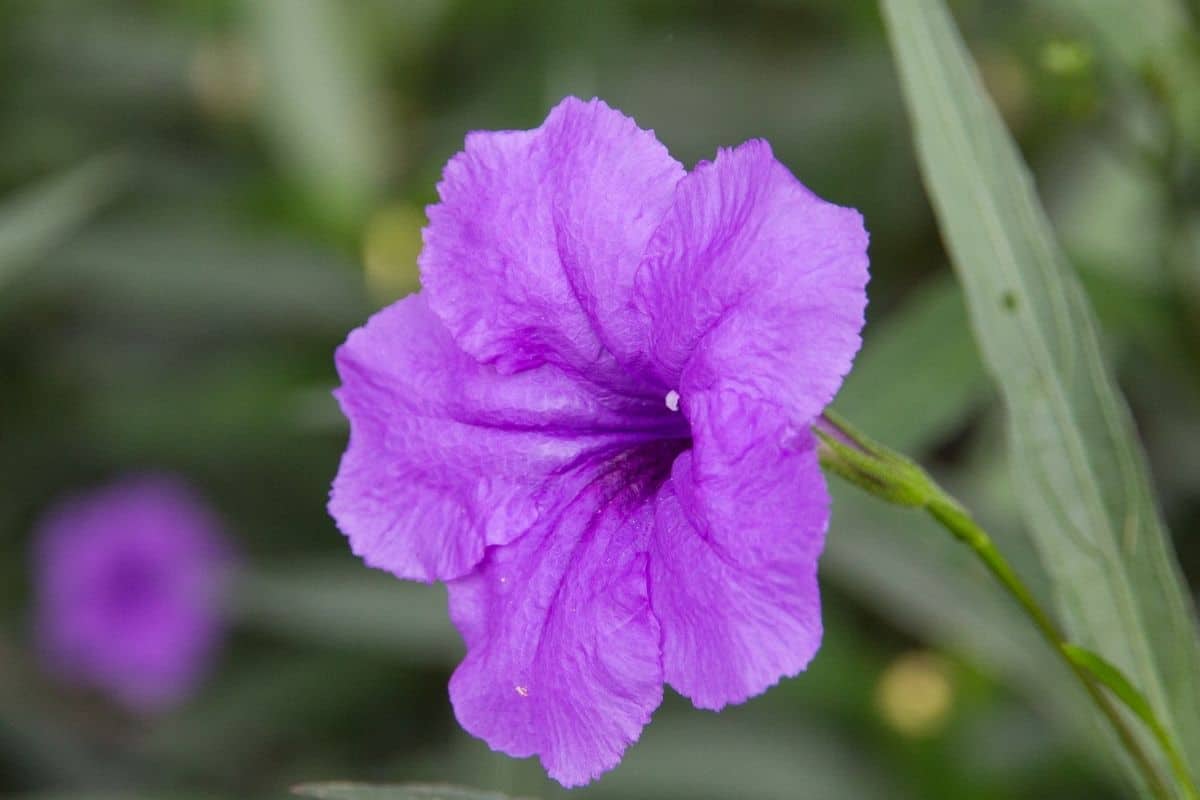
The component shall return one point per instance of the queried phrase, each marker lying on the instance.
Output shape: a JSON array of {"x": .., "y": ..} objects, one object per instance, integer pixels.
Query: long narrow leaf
[
  {"x": 318, "y": 94},
  {"x": 345, "y": 605},
  {"x": 1079, "y": 472},
  {"x": 1112, "y": 677},
  {"x": 42, "y": 215}
]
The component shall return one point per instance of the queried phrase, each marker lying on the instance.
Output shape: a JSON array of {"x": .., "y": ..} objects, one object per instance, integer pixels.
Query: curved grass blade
[
  {"x": 1080, "y": 474},
  {"x": 42, "y": 215},
  {"x": 1112, "y": 677}
]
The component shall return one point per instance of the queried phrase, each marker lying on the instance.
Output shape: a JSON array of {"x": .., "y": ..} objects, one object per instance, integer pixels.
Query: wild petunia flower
[
  {"x": 129, "y": 578},
  {"x": 593, "y": 424}
]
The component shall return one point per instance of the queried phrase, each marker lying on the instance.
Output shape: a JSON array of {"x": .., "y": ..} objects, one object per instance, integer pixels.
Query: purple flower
[
  {"x": 593, "y": 425},
  {"x": 129, "y": 579}
]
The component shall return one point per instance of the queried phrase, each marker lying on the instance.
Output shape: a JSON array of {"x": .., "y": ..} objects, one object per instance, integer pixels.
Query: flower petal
[
  {"x": 130, "y": 578},
  {"x": 752, "y": 483},
  {"x": 752, "y": 282},
  {"x": 562, "y": 648},
  {"x": 529, "y": 257},
  {"x": 447, "y": 456},
  {"x": 731, "y": 625}
]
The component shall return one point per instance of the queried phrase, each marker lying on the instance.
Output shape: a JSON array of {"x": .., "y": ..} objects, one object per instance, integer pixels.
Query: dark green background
[{"x": 198, "y": 200}]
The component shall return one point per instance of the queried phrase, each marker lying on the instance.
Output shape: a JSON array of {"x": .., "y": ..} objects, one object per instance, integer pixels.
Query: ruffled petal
[
  {"x": 754, "y": 283},
  {"x": 562, "y": 648},
  {"x": 446, "y": 456},
  {"x": 751, "y": 482},
  {"x": 529, "y": 257},
  {"x": 737, "y": 619}
]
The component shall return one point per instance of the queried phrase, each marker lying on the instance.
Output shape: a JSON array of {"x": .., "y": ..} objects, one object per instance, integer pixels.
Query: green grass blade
[
  {"x": 1112, "y": 677},
  {"x": 319, "y": 103},
  {"x": 1079, "y": 471},
  {"x": 340, "y": 603},
  {"x": 43, "y": 215}
]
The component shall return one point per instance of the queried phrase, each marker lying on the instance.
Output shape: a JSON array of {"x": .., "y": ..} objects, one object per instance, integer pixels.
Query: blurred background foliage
[{"x": 200, "y": 198}]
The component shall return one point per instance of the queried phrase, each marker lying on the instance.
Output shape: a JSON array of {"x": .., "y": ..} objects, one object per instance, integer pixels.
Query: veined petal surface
[
  {"x": 530, "y": 256},
  {"x": 446, "y": 455},
  {"x": 562, "y": 647},
  {"x": 753, "y": 283}
]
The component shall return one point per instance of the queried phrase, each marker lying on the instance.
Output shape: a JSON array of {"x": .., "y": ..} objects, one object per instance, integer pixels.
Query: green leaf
[
  {"x": 349, "y": 605},
  {"x": 1079, "y": 471},
  {"x": 44, "y": 214},
  {"x": 1112, "y": 677},
  {"x": 182, "y": 271},
  {"x": 320, "y": 104},
  {"x": 408, "y": 791},
  {"x": 916, "y": 381}
]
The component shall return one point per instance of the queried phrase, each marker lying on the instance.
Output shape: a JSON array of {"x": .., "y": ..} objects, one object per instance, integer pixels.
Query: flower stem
[
  {"x": 954, "y": 518},
  {"x": 886, "y": 474}
]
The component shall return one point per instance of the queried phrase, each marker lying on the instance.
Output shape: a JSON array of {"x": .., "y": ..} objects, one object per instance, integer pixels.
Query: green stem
[
  {"x": 892, "y": 477},
  {"x": 954, "y": 518}
]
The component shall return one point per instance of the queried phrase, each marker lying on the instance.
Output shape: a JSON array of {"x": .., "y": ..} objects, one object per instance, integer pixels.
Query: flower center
[
  {"x": 673, "y": 400},
  {"x": 132, "y": 588}
]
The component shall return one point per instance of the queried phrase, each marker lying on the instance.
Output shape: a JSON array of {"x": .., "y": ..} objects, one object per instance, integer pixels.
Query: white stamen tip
[
  {"x": 521, "y": 690},
  {"x": 673, "y": 400}
]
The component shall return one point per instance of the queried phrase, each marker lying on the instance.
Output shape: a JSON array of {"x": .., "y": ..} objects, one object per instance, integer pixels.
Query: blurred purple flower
[
  {"x": 129, "y": 580},
  {"x": 593, "y": 425}
]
